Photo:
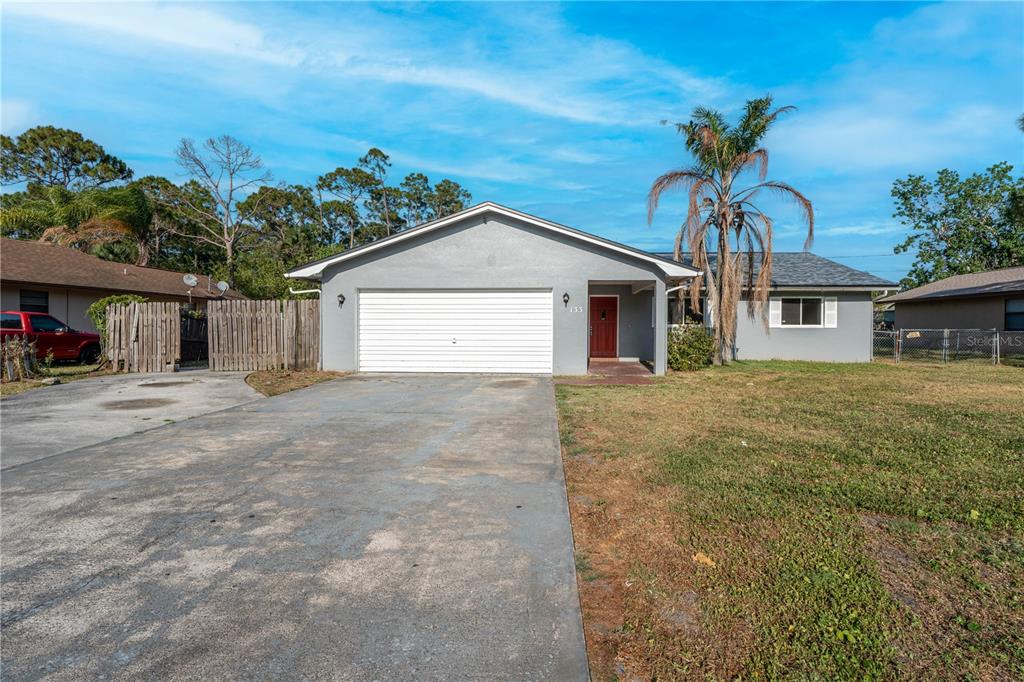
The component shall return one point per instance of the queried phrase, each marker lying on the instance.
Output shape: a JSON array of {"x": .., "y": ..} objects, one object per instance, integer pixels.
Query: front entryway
[
  {"x": 604, "y": 326},
  {"x": 479, "y": 330}
]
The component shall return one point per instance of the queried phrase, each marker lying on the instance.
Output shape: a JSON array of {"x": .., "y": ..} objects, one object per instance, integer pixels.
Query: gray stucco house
[
  {"x": 491, "y": 289},
  {"x": 817, "y": 310}
]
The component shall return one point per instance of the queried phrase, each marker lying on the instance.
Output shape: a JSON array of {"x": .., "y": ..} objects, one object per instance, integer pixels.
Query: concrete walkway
[
  {"x": 51, "y": 420},
  {"x": 368, "y": 528}
]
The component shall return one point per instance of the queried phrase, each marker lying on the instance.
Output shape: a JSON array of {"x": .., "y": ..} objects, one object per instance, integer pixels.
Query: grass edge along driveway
[{"x": 779, "y": 520}]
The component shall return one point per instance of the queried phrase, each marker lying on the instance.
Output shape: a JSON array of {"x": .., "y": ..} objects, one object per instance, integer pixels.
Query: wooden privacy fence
[
  {"x": 143, "y": 337},
  {"x": 251, "y": 335}
]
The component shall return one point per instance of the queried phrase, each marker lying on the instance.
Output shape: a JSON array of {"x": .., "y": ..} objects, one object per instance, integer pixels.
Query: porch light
[
  {"x": 565, "y": 299},
  {"x": 341, "y": 300}
]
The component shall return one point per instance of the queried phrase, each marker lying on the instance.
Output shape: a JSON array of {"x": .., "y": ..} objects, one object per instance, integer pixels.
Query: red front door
[{"x": 604, "y": 327}]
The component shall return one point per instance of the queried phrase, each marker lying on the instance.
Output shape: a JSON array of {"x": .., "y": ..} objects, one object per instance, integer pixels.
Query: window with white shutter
[
  {"x": 831, "y": 312},
  {"x": 775, "y": 312},
  {"x": 802, "y": 311}
]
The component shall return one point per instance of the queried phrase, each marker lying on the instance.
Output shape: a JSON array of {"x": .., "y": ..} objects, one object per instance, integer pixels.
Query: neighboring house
[
  {"x": 491, "y": 289},
  {"x": 817, "y": 310},
  {"x": 46, "y": 278},
  {"x": 993, "y": 299}
]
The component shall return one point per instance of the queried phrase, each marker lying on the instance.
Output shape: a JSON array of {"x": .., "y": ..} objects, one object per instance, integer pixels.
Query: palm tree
[
  {"x": 86, "y": 219},
  {"x": 722, "y": 215}
]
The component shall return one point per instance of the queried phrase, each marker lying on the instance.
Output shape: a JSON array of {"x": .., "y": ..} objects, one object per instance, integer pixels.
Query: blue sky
[{"x": 551, "y": 109}]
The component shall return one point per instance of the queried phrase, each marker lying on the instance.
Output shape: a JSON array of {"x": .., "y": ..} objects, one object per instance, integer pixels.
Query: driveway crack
[{"x": 81, "y": 586}]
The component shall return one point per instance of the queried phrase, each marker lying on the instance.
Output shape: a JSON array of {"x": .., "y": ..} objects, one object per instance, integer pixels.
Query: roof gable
[{"x": 315, "y": 269}]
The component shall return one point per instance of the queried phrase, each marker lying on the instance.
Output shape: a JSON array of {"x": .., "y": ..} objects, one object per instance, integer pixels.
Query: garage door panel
[{"x": 455, "y": 331}]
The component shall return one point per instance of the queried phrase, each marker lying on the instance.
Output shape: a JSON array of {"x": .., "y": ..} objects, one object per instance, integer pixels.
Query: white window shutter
[
  {"x": 831, "y": 312},
  {"x": 775, "y": 312}
]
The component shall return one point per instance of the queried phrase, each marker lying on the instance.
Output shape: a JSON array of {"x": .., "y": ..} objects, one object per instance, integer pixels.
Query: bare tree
[
  {"x": 227, "y": 171},
  {"x": 376, "y": 163}
]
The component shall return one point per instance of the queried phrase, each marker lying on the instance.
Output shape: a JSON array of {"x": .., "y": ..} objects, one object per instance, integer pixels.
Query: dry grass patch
[
  {"x": 271, "y": 382},
  {"x": 778, "y": 520},
  {"x": 64, "y": 373}
]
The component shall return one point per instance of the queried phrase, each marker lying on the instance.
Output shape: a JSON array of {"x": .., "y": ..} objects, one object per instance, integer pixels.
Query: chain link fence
[{"x": 987, "y": 346}]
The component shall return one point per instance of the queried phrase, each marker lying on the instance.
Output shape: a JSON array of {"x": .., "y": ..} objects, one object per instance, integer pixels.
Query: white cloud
[
  {"x": 488, "y": 168},
  {"x": 570, "y": 186},
  {"x": 873, "y": 135},
  {"x": 864, "y": 230},
  {"x": 541, "y": 64},
  {"x": 16, "y": 115},
  {"x": 572, "y": 155},
  {"x": 507, "y": 88},
  {"x": 183, "y": 26},
  {"x": 912, "y": 98}
]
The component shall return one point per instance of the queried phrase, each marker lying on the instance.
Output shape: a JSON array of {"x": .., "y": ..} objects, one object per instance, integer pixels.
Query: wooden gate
[
  {"x": 143, "y": 337},
  {"x": 251, "y": 335}
]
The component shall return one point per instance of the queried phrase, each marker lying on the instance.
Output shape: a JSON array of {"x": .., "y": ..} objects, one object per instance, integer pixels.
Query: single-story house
[
  {"x": 817, "y": 310},
  {"x": 491, "y": 289},
  {"x": 43, "y": 277},
  {"x": 993, "y": 299}
]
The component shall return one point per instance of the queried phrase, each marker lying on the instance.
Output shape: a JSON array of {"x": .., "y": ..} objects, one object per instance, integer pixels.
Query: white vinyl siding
[{"x": 489, "y": 330}]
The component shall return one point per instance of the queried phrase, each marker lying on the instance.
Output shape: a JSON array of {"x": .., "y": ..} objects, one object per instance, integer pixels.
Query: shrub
[
  {"x": 97, "y": 312},
  {"x": 17, "y": 359},
  {"x": 690, "y": 347}
]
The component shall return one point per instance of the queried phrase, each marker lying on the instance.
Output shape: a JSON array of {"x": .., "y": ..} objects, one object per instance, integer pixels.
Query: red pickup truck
[{"x": 50, "y": 334}]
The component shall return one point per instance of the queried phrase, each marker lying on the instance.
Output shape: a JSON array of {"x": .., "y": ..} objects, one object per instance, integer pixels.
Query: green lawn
[{"x": 798, "y": 520}]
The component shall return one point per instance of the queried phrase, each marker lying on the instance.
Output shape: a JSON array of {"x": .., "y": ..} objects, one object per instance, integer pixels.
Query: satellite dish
[
  {"x": 223, "y": 286},
  {"x": 190, "y": 280}
]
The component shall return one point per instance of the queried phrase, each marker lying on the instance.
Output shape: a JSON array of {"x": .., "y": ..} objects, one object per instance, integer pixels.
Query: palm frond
[
  {"x": 789, "y": 192},
  {"x": 681, "y": 178},
  {"x": 778, "y": 112},
  {"x": 93, "y": 232},
  {"x": 757, "y": 158}
]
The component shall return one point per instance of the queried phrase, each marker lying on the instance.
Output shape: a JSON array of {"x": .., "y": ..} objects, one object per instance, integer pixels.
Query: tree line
[{"x": 228, "y": 219}]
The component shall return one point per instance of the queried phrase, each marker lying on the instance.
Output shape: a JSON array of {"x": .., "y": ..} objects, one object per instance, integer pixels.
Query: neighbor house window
[
  {"x": 801, "y": 312},
  {"x": 35, "y": 301},
  {"x": 1015, "y": 314}
]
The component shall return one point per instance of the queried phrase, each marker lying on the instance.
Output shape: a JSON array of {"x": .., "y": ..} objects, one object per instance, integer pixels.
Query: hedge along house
[
  {"x": 490, "y": 289},
  {"x": 817, "y": 310}
]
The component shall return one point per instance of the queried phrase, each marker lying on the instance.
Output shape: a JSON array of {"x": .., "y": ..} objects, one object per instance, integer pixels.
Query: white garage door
[{"x": 492, "y": 330}]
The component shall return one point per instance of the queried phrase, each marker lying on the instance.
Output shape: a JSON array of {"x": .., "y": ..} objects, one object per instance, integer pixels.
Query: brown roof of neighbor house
[
  {"x": 41, "y": 263},
  {"x": 988, "y": 283}
]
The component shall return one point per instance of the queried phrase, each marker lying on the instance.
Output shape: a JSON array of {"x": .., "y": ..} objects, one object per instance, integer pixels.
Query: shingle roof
[
  {"x": 990, "y": 282},
  {"x": 799, "y": 268},
  {"x": 40, "y": 263}
]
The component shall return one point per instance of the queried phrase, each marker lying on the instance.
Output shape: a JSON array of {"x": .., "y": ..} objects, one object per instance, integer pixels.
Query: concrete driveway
[
  {"x": 49, "y": 421},
  {"x": 372, "y": 527}
]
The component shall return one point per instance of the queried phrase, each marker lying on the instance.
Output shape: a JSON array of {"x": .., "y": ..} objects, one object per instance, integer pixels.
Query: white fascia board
[
  {"x": 828, "y": 287},
  {"x": 314, "y": 270}
]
